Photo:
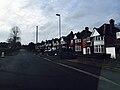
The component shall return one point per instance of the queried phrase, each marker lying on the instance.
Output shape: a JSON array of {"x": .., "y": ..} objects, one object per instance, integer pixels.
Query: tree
[
  {"x": 14, "y": 39},
  {"x": 15, "y": 31},
  {"x": 118, "y": 25},
  {"x": 31, "y": 46}
]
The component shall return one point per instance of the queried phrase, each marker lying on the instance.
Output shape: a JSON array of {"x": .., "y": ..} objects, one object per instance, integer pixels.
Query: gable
[
  {"x": 94, "y": 33},
  {"x": 75, "y": 37},
  {"x": 62, "y": 39}
]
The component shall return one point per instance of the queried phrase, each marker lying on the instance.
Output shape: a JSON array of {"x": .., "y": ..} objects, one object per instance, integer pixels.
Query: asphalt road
[{"x": 27, "y": 71}]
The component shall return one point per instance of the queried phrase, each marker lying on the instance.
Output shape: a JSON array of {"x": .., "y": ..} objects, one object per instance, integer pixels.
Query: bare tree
[
  {"x": 118, "y": 25},
  {"x": 14, "y": 36},
  {"x": 15, "y": 31}
]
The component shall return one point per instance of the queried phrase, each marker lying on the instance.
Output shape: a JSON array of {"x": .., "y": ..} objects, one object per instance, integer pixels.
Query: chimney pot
[{"x": 111, "y": 25}]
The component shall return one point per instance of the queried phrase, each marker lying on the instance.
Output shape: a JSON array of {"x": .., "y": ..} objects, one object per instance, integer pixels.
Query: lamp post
[{"x": 59, "y": 34}]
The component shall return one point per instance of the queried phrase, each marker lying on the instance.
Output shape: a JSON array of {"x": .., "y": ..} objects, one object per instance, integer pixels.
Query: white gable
[
  {"x": 94, "y": 33},
  {"x": 75, "y": 37},
  {"x": 62, "y": 39}
]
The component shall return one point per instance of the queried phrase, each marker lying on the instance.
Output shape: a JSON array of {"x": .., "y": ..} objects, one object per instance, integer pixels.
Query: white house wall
[
  {"x": 84, "y": 50},
  {"x": 99, "y": 42},
  {"x": 111, "y": 50}
]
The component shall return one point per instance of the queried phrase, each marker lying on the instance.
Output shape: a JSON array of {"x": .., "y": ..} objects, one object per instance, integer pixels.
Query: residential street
[{"x": 30, "y": 72}]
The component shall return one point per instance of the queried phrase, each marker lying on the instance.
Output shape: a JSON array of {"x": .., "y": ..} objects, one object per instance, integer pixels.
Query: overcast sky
[{"x": 75, "y": 15}]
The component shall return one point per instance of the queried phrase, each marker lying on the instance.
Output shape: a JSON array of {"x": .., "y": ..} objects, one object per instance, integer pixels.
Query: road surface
[{"x": 27, "y": 71}]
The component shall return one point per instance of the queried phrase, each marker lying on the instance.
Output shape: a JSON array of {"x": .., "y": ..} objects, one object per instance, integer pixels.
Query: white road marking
[{"x": 85, "y": 72}]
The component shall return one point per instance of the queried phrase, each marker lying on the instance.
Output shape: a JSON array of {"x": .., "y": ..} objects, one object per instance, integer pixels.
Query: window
[
  {"x": 95, "y": 49},
  {"x": 95, "y": 38},
  {"x": 99, "y": 49},
  {"x": 71, "y": 41},
  {"x": 77, "y": 48},
  {"x": 88, "y": 38},
  {"x": 102, "y": 37},
  {"x": 77, "y": 40},
  {"x": 102, "y": 48},
  {"x": 118, "y": 35},
  {"x": 98, "y": 38}
]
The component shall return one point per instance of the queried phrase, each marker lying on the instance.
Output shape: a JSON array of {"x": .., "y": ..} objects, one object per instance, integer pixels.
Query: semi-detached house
[
  {"x": 85, "y": 35},
  {"x": 103, "y": 39},
  {"x": 80, "y": 43}
]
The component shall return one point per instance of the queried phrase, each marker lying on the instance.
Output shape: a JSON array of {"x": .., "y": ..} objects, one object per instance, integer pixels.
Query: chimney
[
  {"x": 111, "y": 26},
  {"x": 86, "y": 30},
  {"x": 104, "y": 30},
  {"x": 36, "y": 34}
]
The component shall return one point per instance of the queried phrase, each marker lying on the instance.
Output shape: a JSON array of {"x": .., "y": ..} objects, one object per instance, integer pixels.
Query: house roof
[
  {"x": 70, "y": 36},
  {"x": 86, "y": 33},
  {"x": 78, "y": 34},
  {"x": 49, "y": 41},
  {"x": 42, "y": 42},
  {"x": 105, "y": 28},
  {"x": 101, "y": 30},
  {"x": 64, "y": 38},
  {"x": 39, "y": 44},
  {"x": 55, "y": 40}
]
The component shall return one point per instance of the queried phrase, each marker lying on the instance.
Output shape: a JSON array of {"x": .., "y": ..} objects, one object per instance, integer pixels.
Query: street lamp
[{"x": 59, "y": 34}]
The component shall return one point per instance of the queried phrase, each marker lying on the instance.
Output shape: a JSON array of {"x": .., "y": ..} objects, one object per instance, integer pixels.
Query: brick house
[
  {"x": 77, "y": 42},
  {"x": 85, "y": 38},
  {"x": 80, "y": 42},
  {"x": 49, "y": 45},
  {"x": 64, "y": 43},
  {"x": 103, "y": 39},
  {"x": 55, "y": 43}
]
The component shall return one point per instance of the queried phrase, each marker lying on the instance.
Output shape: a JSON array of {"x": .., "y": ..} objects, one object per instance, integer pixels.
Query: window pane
[
  {"x": 99, "y": 48},
  {"x": 101, "y": 37},
  {"x": 102, "y": 48}
]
